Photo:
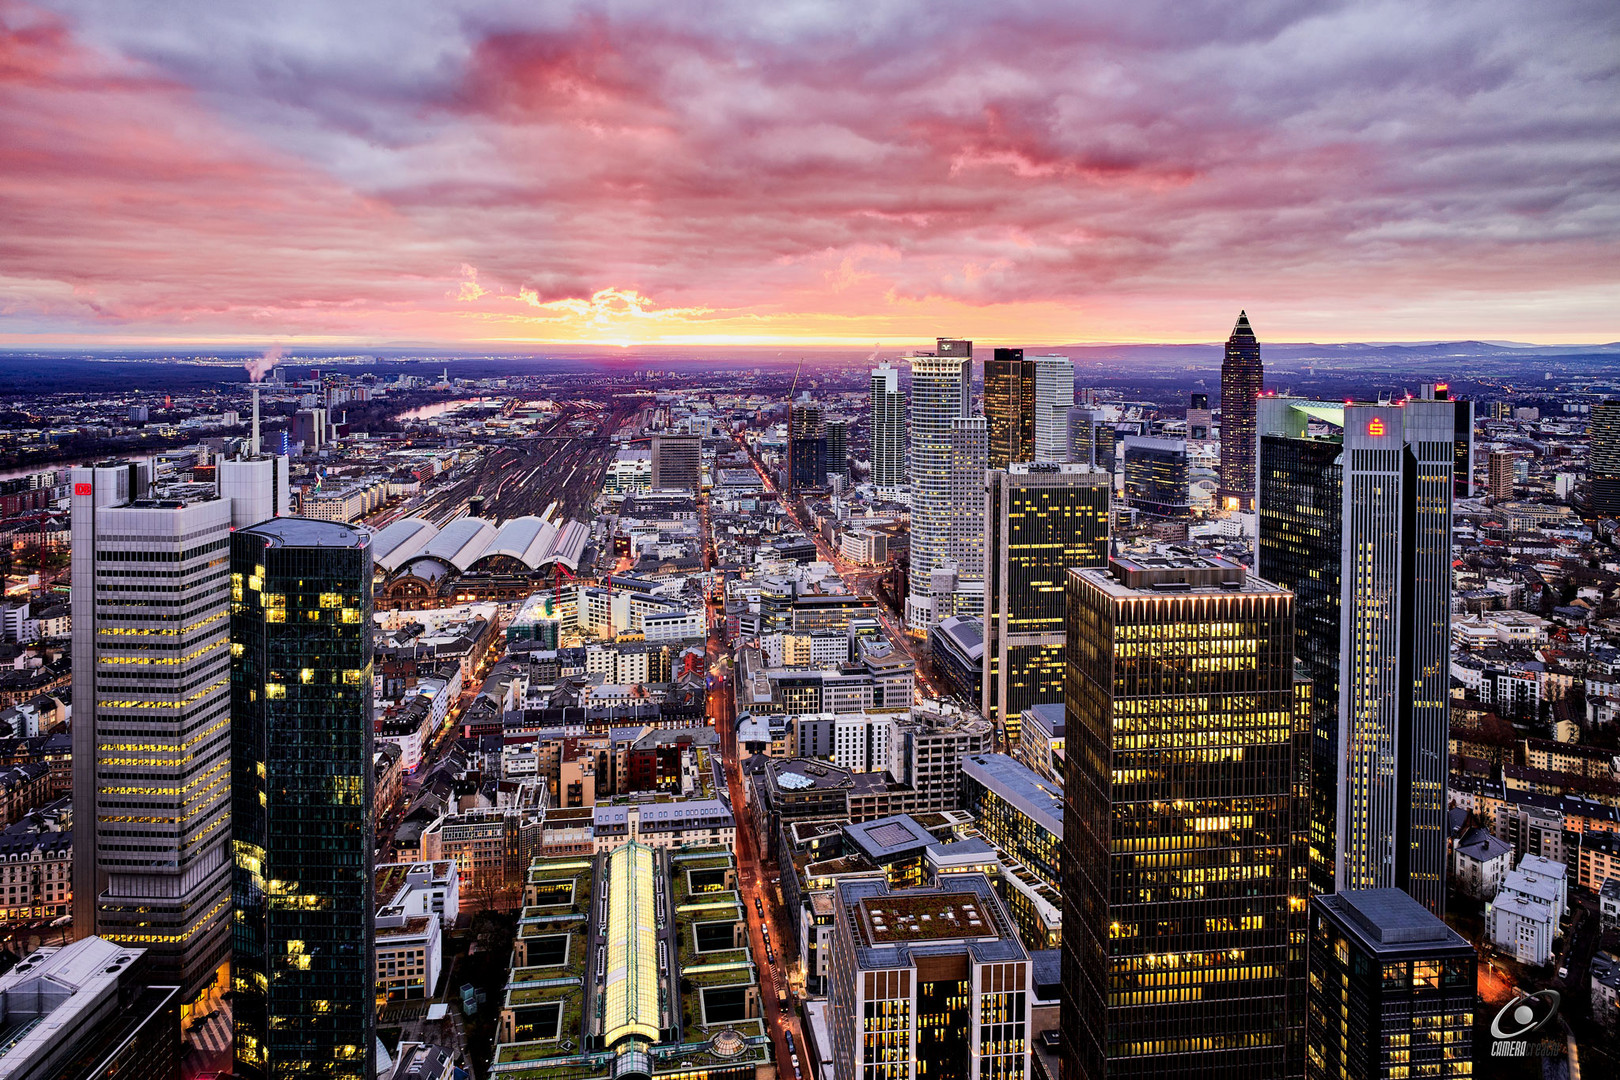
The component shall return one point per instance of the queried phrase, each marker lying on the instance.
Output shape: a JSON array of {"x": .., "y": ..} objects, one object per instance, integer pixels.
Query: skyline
[{"x": 814, "y": 175}]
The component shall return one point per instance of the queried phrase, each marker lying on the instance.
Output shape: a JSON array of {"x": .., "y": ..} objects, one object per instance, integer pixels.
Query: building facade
[
  {"x": 928, "y": 982},
  {"x": 677, "y": 463},
  {"x": 1184, "y": 824},
  {"x": 939, "y": 397},
  {"x": 1158, "y": 475},
  {"x": 1392, "y": 990},
  {"x": 1042, "y": 519},
  {"x": 151, "y": 727},
  {"x": 1242, "y": 379},
  {"x": 1358, "y": 524},
  {"x": 888, "y": 433},
  {"x": 303, "y": 942},
  {"x": 1603, "y": 460}
]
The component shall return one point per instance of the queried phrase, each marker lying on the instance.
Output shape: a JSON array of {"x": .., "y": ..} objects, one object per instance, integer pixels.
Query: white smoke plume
[{"x": 258, "y": 368}]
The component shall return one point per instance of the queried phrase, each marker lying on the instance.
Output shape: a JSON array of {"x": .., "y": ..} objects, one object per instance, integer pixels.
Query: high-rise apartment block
[
  {"x": 1043, "y": 519},
  {"x": 967, "y": 467},
  {"x": 928, "y": 983},
  {"x": 1392, "y": 990},
  {"x": 1242, "y": 379},
  {"x": 1500, "y": 481},
  {"x": 888, "y": 431},
  {"x": 1184, "y": 824},
  {"x": 302, "y": 941},
  {"x": 1358, "y": 524},
  {"x": 1603, "y": 460},
  {"x": 939, "y": 397},
  {"x": 677, "y": 463},
  {"x": 151, "y": 719},
  {"x": 837, "y": 450}
]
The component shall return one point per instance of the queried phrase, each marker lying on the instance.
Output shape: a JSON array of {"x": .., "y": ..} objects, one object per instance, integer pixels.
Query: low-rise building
[{"x": 1479, "y": 861}]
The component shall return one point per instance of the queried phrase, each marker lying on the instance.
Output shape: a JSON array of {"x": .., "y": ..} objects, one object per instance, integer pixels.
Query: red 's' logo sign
[{"x": 1376, "y": 426}]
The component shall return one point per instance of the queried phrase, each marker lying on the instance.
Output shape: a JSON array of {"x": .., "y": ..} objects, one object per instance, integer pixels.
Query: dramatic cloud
[{"x": 834, "y": 171}]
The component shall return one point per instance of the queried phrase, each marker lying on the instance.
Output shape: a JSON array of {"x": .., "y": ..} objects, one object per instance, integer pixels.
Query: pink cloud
[{"x": 205, "y": 171}]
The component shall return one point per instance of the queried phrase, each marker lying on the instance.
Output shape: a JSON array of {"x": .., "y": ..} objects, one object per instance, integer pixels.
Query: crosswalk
[{"x": 214, "y": 1035}]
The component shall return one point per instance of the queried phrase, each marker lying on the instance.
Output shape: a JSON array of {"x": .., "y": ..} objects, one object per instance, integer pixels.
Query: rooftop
[
  {"x": 928, "y": 917},
  {"x": 1033, "y": 795},
  {"x": 306, "y": 532},
  {"x": 1389, "y": 921}
]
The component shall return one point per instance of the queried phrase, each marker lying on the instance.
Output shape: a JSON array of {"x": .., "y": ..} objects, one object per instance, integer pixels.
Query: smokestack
[{"x": 255, "y": 443}]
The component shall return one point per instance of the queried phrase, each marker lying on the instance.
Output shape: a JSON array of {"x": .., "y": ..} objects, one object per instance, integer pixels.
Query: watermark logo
[{"x": 1519, "y": 1019}]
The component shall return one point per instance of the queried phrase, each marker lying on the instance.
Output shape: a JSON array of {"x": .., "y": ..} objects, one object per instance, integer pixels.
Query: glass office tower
[
  {"x": 1043, "y": 519},
  {"x": 1184, "y": 903},
  {"x": 1355, "y": 517},
  {"x": 302, "y": 940},
  {"x": 1004, "y": 388}
]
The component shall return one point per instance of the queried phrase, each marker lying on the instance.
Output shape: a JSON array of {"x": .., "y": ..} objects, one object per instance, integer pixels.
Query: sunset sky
[{"x": 427, "y": 171}]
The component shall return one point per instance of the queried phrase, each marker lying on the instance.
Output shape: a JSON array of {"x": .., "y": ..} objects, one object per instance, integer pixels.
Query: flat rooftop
[
  {"x": 1390, "y": 921},
  {"x": 896, "y": 918},
  {"x": 1033, "y": 795},
  {"x": 306, "y": 532}
]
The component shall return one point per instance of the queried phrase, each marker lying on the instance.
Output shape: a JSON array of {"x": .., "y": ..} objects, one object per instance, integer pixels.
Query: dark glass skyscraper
[
  {"x": 837, "y": 453},
  {"x": 1183, "y": 906},
  {"x": 1604, "y": 460},
  {"x": 1005, "y": 388},
  {"x": 1392, "y": 990},
  {"x": 807, "y": 448},
  {"x": 1042, "y": 520},
  {"x": 1358, "y": 524},
  {"x": 302, "y": 941},
  {"x": 1242, "y": 379}
]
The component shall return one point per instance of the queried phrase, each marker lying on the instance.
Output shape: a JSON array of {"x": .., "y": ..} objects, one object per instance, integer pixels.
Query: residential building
[
  {"x": 1500, "y": 483},
  {"x": 301, "y": 795},
  {"x": 1479, "y": 861},
  {"x": 1242, "y": 380},
  {"x": 1190, "y": 738},
  {"x": 888, "y": 434},
  {"x": 1357, "y": 523},
  {"x": 1043, "y": 519},
  {"x": 1392, "y": 990},
  {"x": 940, "y": 384}
]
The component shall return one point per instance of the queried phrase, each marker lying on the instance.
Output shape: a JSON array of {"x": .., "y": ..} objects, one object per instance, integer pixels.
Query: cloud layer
[{"x": 432, "y": 171}]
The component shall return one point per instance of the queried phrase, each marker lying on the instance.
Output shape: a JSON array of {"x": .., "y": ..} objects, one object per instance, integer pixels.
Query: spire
[{"x": 1242, "y": 331}]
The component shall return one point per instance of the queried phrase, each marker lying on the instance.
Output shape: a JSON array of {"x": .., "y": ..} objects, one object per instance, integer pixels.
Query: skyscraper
[
  {"x": 1003, "y": 406},
  {"x": 1358, "y": 525},
  {"x": 1501, "y": 474},
  {"x": 939, "y": 396},
  {"x": 967, "y": 540},
  {"x": 807, "y": 447},
  {"x": 1462, "y": 466},
  {"x": 888, "y": 431},
  {"x": 1083, "y": 422},
  {"x": 151, "y": 719},
  {"x": 1043, "y": 519},
  {"x": 1052, "y": 398},
  {"x": 1026, "y": 403},
  {"x": 837, "y": 449},
  {"x": 1183, "y": 911},
  {"x": 1242, "y": 379},
  {"x": 1199, "y": 422},
  {"x": 1603, "y": 460},
  {"x": 1392, "y": 990},
  {"x": 301, "y": 793}
]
